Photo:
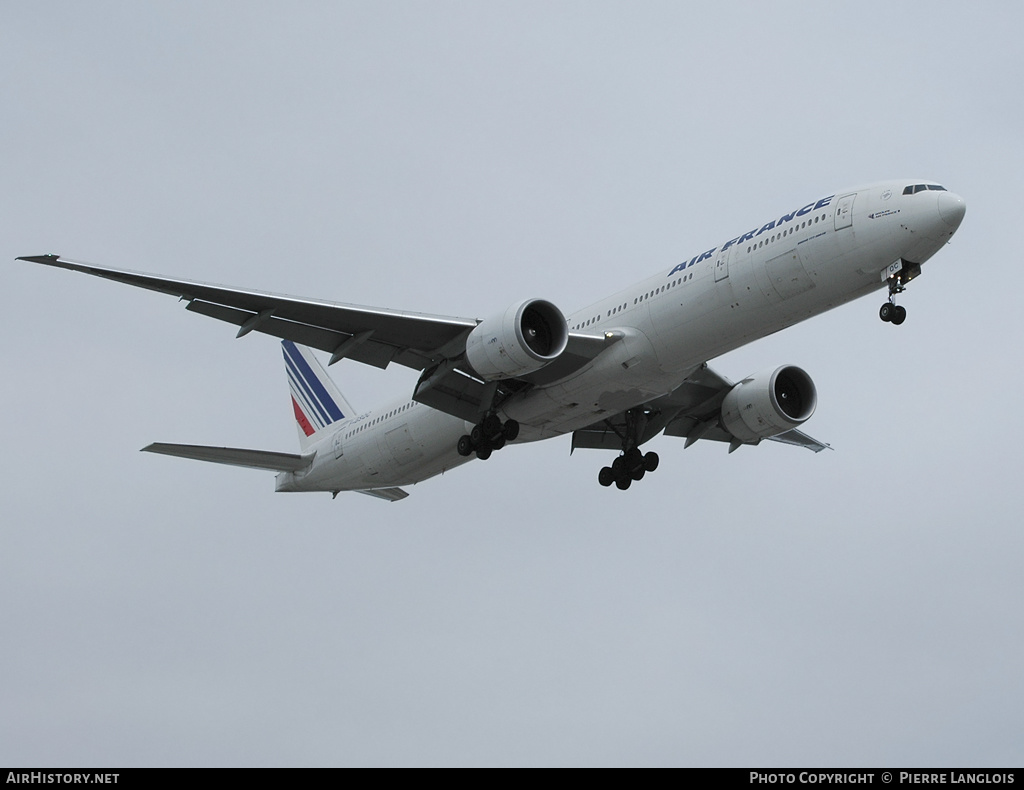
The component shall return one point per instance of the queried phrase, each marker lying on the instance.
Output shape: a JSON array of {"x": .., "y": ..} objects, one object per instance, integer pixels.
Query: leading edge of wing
[{"x": 418, "y": 331}]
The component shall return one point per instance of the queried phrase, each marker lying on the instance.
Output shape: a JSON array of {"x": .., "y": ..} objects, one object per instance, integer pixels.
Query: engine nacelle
[
  {"x": 769, "y": 403},
  {"x": 524, "y": 338}
]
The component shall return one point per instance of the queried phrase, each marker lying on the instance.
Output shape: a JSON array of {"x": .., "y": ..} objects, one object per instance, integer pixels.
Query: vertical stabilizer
[{"x": 316, "y": 401}]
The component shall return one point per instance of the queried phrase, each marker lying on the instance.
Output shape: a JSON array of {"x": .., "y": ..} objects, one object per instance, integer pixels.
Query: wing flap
[
  {"x": 801, "y": 439},
  {"x": 369, "y": 352},
  {"x": 390, "y": 494},
  {"x": 233, "y": 456}
]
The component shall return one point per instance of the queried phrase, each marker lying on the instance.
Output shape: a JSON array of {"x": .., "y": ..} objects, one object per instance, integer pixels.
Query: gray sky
[{"x": 770, "y": 607}]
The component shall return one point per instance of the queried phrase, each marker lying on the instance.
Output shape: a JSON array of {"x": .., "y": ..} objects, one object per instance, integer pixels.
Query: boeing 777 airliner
[{"x": 614, "y": 374}]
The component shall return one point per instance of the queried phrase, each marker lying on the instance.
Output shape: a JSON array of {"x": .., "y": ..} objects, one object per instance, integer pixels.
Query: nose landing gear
[
  {"x": 890, "y": 312},
  {"x": 896, "y": 276},
  {"x": 893, "y": 313}
]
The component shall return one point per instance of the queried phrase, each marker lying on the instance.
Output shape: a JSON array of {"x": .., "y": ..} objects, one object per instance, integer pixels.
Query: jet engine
[
  {"x": 769, "y": 403},
  {"x": 525, "y": 338}
]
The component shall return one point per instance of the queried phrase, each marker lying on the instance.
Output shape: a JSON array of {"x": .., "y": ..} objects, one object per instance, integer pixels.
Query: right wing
[
  {"x": 375, "y": 336},
  {"x": 372, "y": 335}
]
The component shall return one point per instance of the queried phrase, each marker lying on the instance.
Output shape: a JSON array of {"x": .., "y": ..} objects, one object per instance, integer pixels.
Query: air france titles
[{"x": 775, "y": 223}]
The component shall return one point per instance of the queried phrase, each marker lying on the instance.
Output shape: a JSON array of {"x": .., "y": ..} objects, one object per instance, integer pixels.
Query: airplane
[{"x": 614, "y": 374}]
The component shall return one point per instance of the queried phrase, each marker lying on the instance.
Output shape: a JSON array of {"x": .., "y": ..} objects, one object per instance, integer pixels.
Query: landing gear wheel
[
  {"x": 483, "y": 453},
  {"x": 476, "y": 436},
  {"x": 622, "y": 483},
  {"x": 491, "y": 425},
  {"x": 638, "y": 473},
  {"x": 886, "y": 311},
  {"x": 510, "y": 430},
  {"x": 498, "y": 443},
  {"x": 606, "y": 476},
  {"x": 651, "y": 461},
  {"x": 899, "y": 315},
  {"x": 465, "y": 446}
]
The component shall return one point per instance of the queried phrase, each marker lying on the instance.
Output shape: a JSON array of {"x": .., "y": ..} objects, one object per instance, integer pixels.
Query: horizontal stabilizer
[
  {"x": 390, "y": 494},
  {"x": 232, "y": 456}
]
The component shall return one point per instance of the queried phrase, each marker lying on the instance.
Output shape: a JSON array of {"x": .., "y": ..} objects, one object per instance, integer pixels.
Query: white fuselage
[{"x": 794, "y": 266}]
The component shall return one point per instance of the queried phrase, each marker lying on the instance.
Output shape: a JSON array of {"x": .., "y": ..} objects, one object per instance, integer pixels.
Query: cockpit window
[{"x": 915, "y": 188}]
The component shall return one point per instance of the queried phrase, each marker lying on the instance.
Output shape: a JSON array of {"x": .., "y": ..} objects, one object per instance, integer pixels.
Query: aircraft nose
[{"x": 952, "y": 209}]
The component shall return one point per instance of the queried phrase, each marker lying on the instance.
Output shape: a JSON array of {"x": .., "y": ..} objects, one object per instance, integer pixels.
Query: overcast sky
[{"x": 860, "y": 607}]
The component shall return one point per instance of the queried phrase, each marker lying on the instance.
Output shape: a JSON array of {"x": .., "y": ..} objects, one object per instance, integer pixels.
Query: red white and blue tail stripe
[{"x": 316, "y": 401}]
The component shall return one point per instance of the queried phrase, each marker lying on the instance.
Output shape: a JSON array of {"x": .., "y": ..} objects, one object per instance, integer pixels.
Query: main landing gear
[
  {"x": 631, "y": 465},
  {"x": 488, "y": 435},
  {"x": 890, "y": 312}
]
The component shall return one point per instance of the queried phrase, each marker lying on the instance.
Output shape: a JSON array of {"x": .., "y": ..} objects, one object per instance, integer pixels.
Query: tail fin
[{"x": 316, "y": 400}]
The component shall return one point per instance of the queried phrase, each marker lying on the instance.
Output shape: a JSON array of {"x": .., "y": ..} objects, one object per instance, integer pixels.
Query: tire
[
  {"x": 606, "y": 476},
  {"x": 618, "y": 465},
  {"x": 465, "y": 446},
  {"x": 885, "y": 311},
  {"x": 638, "y": 473},
  {"x": 483, "y": 453},
  {"x": 510, "y": 430},
  {"x": 476, "y": 436},
  {"x": 899, "y": 315},
  {"x": 491, "y": 425},
  {"x": 651, "y": 461},
  {"x": 622, "y": 483},
  {"x": 499, "y": 442}
]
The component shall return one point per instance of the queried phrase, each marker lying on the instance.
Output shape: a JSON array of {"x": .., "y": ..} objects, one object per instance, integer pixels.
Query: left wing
[
  {"x": 372, "y": 335},
  {"x": 692, "y": 411}
]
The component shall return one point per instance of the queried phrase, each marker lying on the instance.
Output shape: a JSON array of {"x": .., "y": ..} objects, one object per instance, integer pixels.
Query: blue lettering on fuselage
[
  {"x": 704, "y": 256},
  {"x": 775, "y": 223},
  {"x": 695, "y": 259}
]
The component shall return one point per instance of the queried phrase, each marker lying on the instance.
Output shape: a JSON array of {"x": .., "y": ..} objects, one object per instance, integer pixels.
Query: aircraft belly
[{"x": 627, "y": 374}]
